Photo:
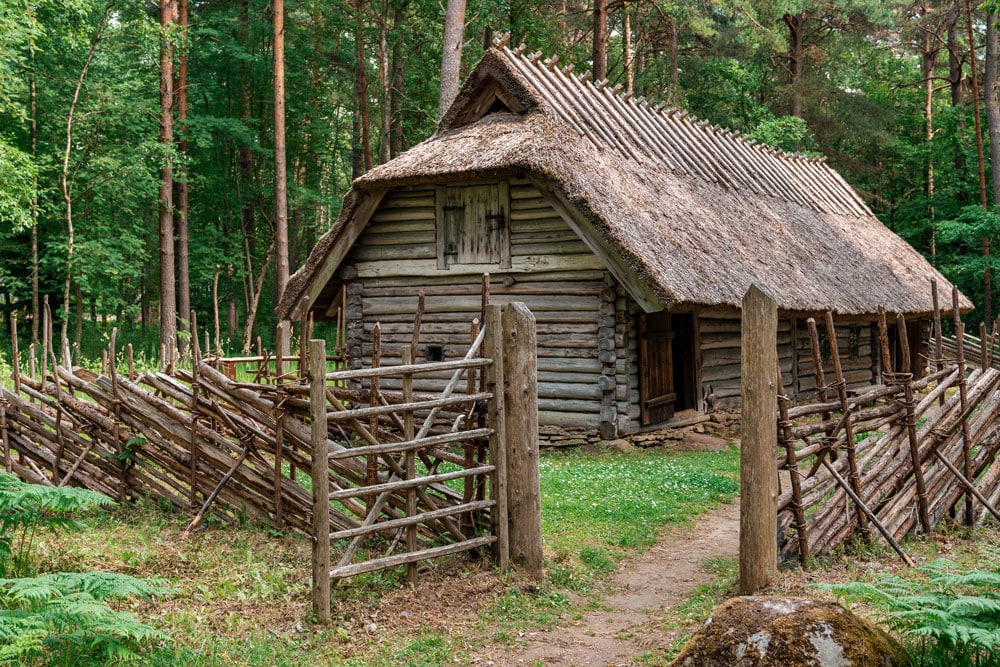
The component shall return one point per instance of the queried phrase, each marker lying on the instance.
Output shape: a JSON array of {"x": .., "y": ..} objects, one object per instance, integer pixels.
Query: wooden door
[{"x": 656, "y": 368}]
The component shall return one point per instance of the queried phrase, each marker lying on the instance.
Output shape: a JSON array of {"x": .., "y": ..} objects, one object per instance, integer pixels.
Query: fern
[
  {"x": 27, "y": 508},
  {"x": 952, "y": 616},
  {"x": 64, "y": 616}
]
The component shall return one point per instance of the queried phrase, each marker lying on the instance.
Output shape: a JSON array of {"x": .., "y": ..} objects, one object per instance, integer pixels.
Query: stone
[
  {"x": 618, "y": 445},
  {"x": 700, "y": 442},
  {"x": 757, "y": 631}
]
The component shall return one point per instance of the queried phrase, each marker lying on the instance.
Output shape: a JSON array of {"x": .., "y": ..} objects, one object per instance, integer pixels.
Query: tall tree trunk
[
  {"x": 675, "y": 68},
  {"x": 600, "y": 49},
  {"x": 627, "y": 49},
  {"x": 281, "y": 268},
  {"x": 930, "y": 48},
  {"x": 384, "y": 82},
  {"x": 396, "y": 95},
  {"x": 183, "y": 243},
  {"x": 244, "y": 183},
  {"x": 168, "y": 293},
  {"x": 991, "y": 100},
  {"x": 33, "y": 104},
  {"x": 451, "y": 56},
  {"x": 362, "y": 149},
  {"x": 981, "y": 163},
  {"x": 955, "y": 83},
  {"x": 78, "y": 318},
  {"x": 796, "y": 60},
  {"x": 64, "y": 184}
]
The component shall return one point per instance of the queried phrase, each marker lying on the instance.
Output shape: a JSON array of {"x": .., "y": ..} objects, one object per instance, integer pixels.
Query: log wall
[{"x": 552, "y": 271}]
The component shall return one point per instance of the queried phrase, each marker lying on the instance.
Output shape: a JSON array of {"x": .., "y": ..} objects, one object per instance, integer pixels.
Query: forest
[{"x": 163, "y": 157}]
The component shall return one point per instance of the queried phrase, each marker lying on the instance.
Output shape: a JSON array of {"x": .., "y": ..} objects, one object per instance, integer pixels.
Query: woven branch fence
[{"x": 901, "y": 456}]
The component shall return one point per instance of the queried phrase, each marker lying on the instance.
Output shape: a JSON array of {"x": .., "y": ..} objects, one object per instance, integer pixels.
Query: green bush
[{"x": 947, "y": 616}]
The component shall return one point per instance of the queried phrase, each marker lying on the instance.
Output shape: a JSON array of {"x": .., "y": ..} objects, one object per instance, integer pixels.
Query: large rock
[{"x": 783, "y": 632}]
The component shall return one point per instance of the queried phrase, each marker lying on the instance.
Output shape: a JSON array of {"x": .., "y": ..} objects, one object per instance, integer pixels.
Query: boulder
[{"x": 787, "y": 632}]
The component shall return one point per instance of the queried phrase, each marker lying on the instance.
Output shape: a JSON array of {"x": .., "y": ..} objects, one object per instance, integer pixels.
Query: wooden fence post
[
  {"x": 493, "y": 376},
  {"x": 524, "y": 505},
  {"x": 758, "y": 470},
  {"x": 320, "y": 482}
]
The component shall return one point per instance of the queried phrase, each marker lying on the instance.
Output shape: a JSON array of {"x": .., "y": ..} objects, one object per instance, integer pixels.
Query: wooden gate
[{"x": 436, "y": 465}]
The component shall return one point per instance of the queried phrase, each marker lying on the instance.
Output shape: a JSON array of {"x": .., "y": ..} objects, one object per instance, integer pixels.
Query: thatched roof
[{"x": 693, "y": 212}]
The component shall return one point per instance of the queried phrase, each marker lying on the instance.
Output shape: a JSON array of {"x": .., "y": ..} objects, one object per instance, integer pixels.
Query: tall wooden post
[
  {"x": 493, "y": 381},
  {"x": 758, "y": 470},
  {"x": 524, "y": 505},
  {"x": 320, "y": 482}
]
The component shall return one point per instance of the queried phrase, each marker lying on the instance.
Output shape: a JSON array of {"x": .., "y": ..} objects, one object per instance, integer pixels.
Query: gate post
[
  {"x": 758, "y": 467},
  {"x": 320, "y": 482},
  {"x": 521, "y": 404},
  {"x": 494, "y": 383}
]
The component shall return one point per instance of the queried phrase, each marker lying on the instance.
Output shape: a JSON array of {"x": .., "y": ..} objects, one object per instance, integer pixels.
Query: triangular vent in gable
[{"x": 492, "y": 98}]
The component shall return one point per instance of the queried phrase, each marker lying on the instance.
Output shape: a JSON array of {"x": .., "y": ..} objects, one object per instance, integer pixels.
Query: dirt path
[{"x": 625, "y": 626}]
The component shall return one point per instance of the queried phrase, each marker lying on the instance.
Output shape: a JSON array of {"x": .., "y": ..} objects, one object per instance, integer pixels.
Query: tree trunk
[
  {"x": 981, "y": 164},
  {"x": 246, "y": 169},
  {"x": 930, "y": 48},
  {"x": 385, "y": 83},
  {"x": 627, "y": 48},
  {"x": 396, "y": 95},
  {"x": 796, "y": 60},
  {"x": 600, "y": 50},
  {"x": 64, "y": 183},
  {"x": 281, "y": 268},
  {"x": 168, "y": 292},
  {"x": 675, "y": 69},
  {"x": 183, "y": 244},
  {"x": 451, "y": 57},
  {"x": 33, "y": 103},
  {"x": 362, "y": 149},
  {"x": 955, "y": 83},
  {"x": 992, "y": 101}
]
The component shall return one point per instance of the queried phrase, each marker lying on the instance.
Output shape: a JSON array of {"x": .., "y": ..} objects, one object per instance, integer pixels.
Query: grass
[{"x": 243, "y": 591}]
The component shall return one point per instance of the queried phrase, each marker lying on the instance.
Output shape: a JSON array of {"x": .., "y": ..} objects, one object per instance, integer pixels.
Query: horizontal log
[
  {"x": 396, "y": 212},
  {"x": 403, "y": 254},
  {"x": 525, "y": 264},
  {"x": 571, "y": 419},
  {"x": 398, "y": 239},
  {"x": 374, "y": 307},
  {"x": 497, "y": 278},
  {"x": 567, "y": 405},
  {"x": 419, "y": 200},
  {"x": 473, "y": 287},
  {"x": 566, "y": 247},
  {"x": 423, "y": 517}
]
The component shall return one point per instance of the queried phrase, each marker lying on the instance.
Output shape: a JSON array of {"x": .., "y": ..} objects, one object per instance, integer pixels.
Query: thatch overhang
[{"x": 685, "y": 215}]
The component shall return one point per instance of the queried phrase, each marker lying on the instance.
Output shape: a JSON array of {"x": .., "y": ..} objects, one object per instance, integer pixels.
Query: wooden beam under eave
[
  {"x": 644, "y": 296},
  {"x": 351, "y": 229}
]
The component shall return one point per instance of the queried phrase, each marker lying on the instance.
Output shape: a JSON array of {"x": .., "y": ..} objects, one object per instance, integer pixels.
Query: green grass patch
[{"x": 617, "y": 501}]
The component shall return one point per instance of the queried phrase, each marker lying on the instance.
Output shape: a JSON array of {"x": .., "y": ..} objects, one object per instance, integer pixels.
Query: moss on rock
[{"x": 788, "y": 632}]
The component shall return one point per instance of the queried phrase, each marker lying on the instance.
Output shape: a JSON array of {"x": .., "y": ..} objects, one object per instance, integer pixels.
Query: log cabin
[{"x": 631, "y": 231}]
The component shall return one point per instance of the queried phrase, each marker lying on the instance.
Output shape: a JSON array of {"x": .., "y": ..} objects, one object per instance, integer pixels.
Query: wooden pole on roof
[{"x": 758, "y": 473}]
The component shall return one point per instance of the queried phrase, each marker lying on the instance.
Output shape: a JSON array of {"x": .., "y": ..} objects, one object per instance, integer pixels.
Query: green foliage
[
  {"x": 27, "y": 508},
  {"x": 951, "y": 616},
  {"x": 63, "y": 618}
]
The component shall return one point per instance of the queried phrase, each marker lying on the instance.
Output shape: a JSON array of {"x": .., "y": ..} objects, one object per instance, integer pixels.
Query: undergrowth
[
  {"x": 62, "y": 618},
  {"x": 947, "y": 615}
]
